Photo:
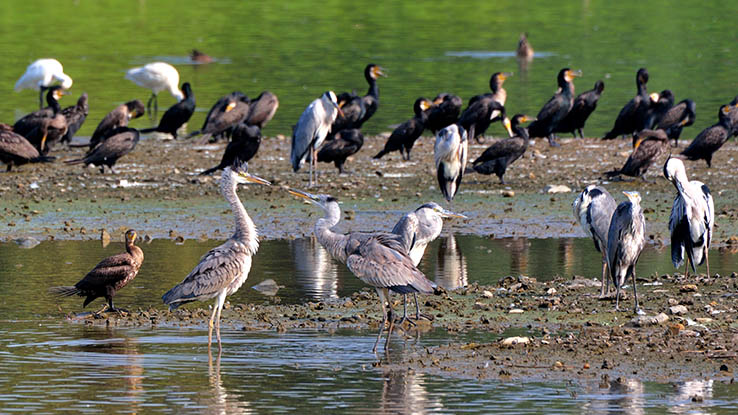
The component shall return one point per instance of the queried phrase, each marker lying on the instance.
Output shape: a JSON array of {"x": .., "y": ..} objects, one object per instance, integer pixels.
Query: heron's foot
[
  {"x": 424, "y": 316},
  {"x": 606, "y": 296},
  {"x": 405, "y": 318}
]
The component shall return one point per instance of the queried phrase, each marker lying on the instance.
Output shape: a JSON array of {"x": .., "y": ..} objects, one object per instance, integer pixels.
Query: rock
[
  {"x": 688, "y": 288},
  {"x": 267, "y": 287},
  {"x": 508, "y": 193},
  {"x": 556, "y": 188},
  {"x": 677, "y": 310},
  {"x": 514, "y": 341},
  {"x": 104, "y": 238},
  {"x": 516, "y": 311},
  {"x": 27, "y": 242},
  {"x": 487, "y": 294},
  {"x": 551, "y": 291},
  {"x": 642, "y": 321},
  {"x": 703, "y": 320}
]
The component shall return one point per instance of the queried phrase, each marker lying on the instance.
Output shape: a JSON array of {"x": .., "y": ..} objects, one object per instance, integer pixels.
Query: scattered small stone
[
  {"x": 27, "y": 242},
  {"x": 487, "y": 294},
  {"x": 677, "y": 310},
  {"x": 267, "y": 287},
  {"x": 516, "y": 311},
  {"x": 556, "y": 188},
  {"x": 508, "y": 193},
  {"x": 514, "y": 341},
  {"x": 642, "y": 321},
  {"x": 688, "y": 288}
]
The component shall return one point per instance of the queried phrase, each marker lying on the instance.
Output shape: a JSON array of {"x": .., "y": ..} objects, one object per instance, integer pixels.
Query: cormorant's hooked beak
[
  {"x": 378, "y": 71},
  {"x": 505, "y": 75},
  {"x": 570, "y": 75},
  {"x": 305, "y": 195},
  {"x": 528, "y": 119},
  {"x": 437, "y": 101},
  {"x": 508, "y": 127},
  {"x": 449, "y": 214},
  {"x": 254, "y": 179},
  {"x": 231, "y": 105}
]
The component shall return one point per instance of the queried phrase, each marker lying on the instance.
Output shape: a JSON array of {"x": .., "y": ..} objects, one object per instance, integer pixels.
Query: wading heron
[
  {"x": 593, "y": 209},
  {"x": 311, "y": 130},
  {"x": 223, "y": 270},
  {"x": 625, "y": 240},
  {"x": 40, "y": 75},
  {"x": 692, "y": 218}
]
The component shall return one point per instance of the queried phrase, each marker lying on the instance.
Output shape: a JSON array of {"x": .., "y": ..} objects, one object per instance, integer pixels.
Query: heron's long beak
[
  {"x": 254, "y": 179},
  {"x": 449, "y": 214},
  {"x": 305, "y": 195},
  {"x": 632, "y": 196},
  {"x": 338, "y": 107}
]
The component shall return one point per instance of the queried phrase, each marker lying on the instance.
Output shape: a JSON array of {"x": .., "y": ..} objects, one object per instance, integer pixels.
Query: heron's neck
[
  {"x": 331, "y": 241},
  {"x": 245, "y": 232}
]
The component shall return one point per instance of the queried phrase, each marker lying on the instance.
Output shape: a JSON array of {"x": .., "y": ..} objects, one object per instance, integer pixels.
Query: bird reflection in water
[
  {"x": 519, "y": 253},
  {"x": 626, "y": 396},
  {"x": 451, "y": 270},
  {"x": 315, "y": 271},
  {"x": 219, "y": 402},
  {"x": 403, "y": 392}
]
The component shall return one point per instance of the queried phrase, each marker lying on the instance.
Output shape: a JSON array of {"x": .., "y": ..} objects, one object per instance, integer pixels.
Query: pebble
[
  {"x": 556, "y": 188},
  {"x": 677, "y": 310},
  {"x": 27, "y": 242},
  {"x": 514, "y": 341}
]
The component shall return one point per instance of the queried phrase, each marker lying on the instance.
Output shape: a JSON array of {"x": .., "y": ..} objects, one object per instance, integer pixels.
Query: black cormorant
[
  {"x": 403, "y": 137},
  {"x": 445, "y": 111},
  {"x": 711, "y": 138},
  {"x": 116, "y": 118},
  {"x": 226, "y": 113},
  {"x": 47, "y": 124},
  {"x": 262, "y": 109},
  {"x": 15, "y": 150},
  {"x": 346, "y": 143},
  {"x": 556, "y": 108},
  {"x": 353, "y": 109},
  {"x": 177, "y": 115},
  {"x": 477, "y": 117},
  {"x": 244, "y": 145},
  {"x": 371, "y": 99},
  {"x": 649, "y": 146},
  {"x": 679, "y": 116},
  {"x": 583, "y": 106},
  {"x": 503, "y": 153},
  {"x": 117, "y": 144},
  {"x": 634, "y": 113},
  {"x": 75, "y": 116}
]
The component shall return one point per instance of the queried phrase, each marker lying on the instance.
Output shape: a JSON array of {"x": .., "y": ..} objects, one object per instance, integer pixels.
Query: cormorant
[
  {"x": 353, "y": 110},
  {"x": 346, "y": 143},
  {"x": 477, "y": 117},
  {"x": 658, "y": 109},
  {"x": 498, "y": 95},
  {"x": 108, "y": 277},
  {"x": 444, "y": 112},
  {"x": 711, "y": 138},
  {"x": 177, "y": 115},
  {"x": 116, "y": 118},
  {"x": 244, "y": 145},
  {"x": 583, "y": 106},
  {"x": 75, "y": 116},
  {"x": 371, "y": 99},
  {"x": 47, "y": 124},
  {"x": 262, "y": 109},
  {"x": 649, "y": 146},
  {"x": 15, "y": 150},
  {"x": 118, "y": 143},
  {"x": 556, "y": 108},
  {"x": 226, "y": 113},
  {"x": 634, "y": 113},
  {"x": 403, "y": 137},
  {"x": 679, "y": 116},
  {"x": 503, "y": 153},
  {"x": 733, "y": 114}
]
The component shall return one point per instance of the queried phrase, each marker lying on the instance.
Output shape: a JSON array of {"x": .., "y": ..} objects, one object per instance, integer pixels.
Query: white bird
[
  {"x": 450, "y": 151},
  {"x": 311, "y": 130},
  {"x": 40, "y": 75},
  {"x": 157, "y": 76},
  {"x": 692, "y": 218},
  {"x": 593, "y": 209},
  {"x": 626, "y": 238}
]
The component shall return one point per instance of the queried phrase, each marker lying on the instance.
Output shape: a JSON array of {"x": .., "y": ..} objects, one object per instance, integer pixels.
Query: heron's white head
[
  {"x": 326, "y": 202},
  {"x": 633, "y": 196},
  {"x": 239, "y": 173},
  {"x": 674, "y": 170},
  {"x": 436, "y": 209},
  {"x": 330, "y": 96}
]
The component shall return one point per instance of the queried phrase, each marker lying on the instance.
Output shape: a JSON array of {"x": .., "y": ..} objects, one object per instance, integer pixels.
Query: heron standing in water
[
  {"x": 626, "y": 238},
  {"x": 223, "y": 270},
  {"x": 593, "y": 209},
  {"x": 692, "y": 218},
  {"x": 311, "y": 130},
  {"x": 378, "y": 259}
]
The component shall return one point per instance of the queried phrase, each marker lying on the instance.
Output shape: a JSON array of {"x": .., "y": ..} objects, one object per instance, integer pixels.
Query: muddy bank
[
  {"x": 158, "y": 192},
  {"x": 565, "y": 331}
]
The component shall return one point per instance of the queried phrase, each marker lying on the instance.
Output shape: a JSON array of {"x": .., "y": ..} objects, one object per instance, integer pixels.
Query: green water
[{"x": 299, "y": 49}]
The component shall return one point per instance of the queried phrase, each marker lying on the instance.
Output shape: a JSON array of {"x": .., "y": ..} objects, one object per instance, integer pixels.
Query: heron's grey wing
[
  {"x": 215, "y": 271},
  {"x": 302, "y": 137},
  {"x": 710, "y": 214},
  {"x": 620, "y": 221},
  {"x": 679, "y": 232},
  {"x": 407, "y": 228},
  {"x": 599, "y": 214},
  {"x": 381, "y": 266}
]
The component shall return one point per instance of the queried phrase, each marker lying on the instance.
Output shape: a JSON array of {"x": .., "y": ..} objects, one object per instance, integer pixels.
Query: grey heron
[
  {"x": 450, "y": 153},
  {"x": 222, "y": 270},
  {"x": 40, "y": 75},
  {"x": 418, "y": 229},
  {"x": 648, "y": 147},
  {"x": 502, "y": 153},
  {"x": 109, "y": 276},
  {"x": 556, "y": 108},
  {"x": 692, "y": 218},
  {"x": 156, "y": 76},
  {"x": 378, "y": 259},
  {"x": 593, "y": 209},
  {"x": 311, "y": 129},
  {"x": 626, "y": 238},
  {"x": 712, "y": 138}
]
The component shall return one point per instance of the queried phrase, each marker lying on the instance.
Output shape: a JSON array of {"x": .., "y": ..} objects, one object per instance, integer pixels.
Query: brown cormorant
[
  {"x": 226, "y": 113},
  {"x": 556, "y": 108},
  {"x": 346, "y": 143},
  {"x": 177, "y": 114},
  {"x": 444, "y": 112},
  {"x": 262, "y": 109},
  {"x": 711, "y": 138},
  {"x": 733, "y": 115},
  {"x": 75, "y": 116},
  {"x": 503, "y": 153},
  {"x": 109, "y": 276},
  {"x": 116, "y": 118},
  {"x": 679, "y": 116},
  {"x": 584, "y": 105},
  {"x": 244, "y": 145},
  {"x": 47, "y": 124},
  {"x": 649, "y": 146},
  {"x": 633, "y": 115},
  {"x": 658, "y": 109},
  {"x": 117, "y": 144},
  {"x": 15, "y": 150},
  {"x": 403, "y": 137}
]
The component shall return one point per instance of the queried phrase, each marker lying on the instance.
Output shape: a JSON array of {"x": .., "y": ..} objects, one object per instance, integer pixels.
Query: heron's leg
[
  {"x": 391, "y": 317},
  {"x": 707, "y": 261},
  {"x": 221, "y": 301},
  {"x": 211, "y": 323},
  {"x": 617, "y": 297},
  {"x": 404, "y": 312},
  {"x": 635, "y": 292},
  {"x": 310, "y": 169},
  {"x": 148, "y": 103},
  {"x": 686, "y": 267},
  {"x": 384, "y": 319},
  {"x": 605, "y": 281}
]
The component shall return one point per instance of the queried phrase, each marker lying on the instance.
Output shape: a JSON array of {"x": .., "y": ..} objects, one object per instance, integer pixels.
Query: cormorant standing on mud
[
  {"x": 346, "y": 143},
  {"x": 711, "y": 138},
  {"x": 584, "y": 105},
  {"x": 116, "y": 118},
  {"x": 177, "y": 115},
  {"x": 634, "y": 113},
  {"x": 497, "y": 157},
  {"x": 15, "y": 150},
  {"x": 556, "y": 108},
  {"x": 245, "y": 143},
  {"x": 649, "y": 146},
  {"x": 403, "y": 137},
  {"x": 679, "y": 116},
  {"x": 120, "y": 142}
]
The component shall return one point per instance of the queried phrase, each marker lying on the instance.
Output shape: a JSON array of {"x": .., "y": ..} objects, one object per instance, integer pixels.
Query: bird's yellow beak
[
  {"x": 508, "y": 127},
  {"x": 303, "y": 195},
  {"x": 231, "y": 105},
  {"x": 654, "y": 97},
  {"x": 378, "y": 72},
  {"x": 570, "y": 75},
  {"x": 424, "y": 105},
  {"x": 254, "y": 179},
  {"x": 437, "y": 101}
]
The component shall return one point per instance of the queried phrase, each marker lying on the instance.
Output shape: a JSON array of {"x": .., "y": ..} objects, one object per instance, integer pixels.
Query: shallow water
[{"x": 49, "y": 365}]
